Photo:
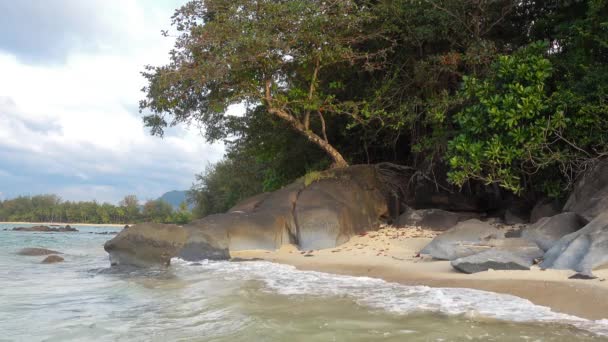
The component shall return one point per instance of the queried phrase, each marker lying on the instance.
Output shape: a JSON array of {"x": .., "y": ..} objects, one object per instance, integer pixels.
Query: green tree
[
  {"x": 513, "y": 127},
  {"x": 277, "y": 54},
  {"x": 157, "y": 211}
]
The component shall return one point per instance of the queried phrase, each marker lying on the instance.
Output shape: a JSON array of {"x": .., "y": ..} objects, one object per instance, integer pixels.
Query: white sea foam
[{"x": 393, "y": 297}]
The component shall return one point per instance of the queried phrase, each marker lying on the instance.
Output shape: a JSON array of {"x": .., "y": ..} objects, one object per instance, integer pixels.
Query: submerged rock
[
  {"x": 583, "y": 250},
  {"x": 36, "y": 251},
  {"x": 548, "y": 230},
  {"x": 466, "y": 238},
  {"x": 52, "y": 259},
  {"x": 434, "y": 219}
]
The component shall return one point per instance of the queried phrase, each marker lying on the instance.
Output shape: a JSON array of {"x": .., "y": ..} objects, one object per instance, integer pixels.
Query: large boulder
[
  {"x": 583, "y": 250},
  {"x": 589, "y": 197},
  {"x": 497, "y": 259},
  {"x": 434, "y": 219},
  {"x": 36, "y": 251},
  {"x": 344, "y": 203},
  {"x": 548, "y": 230},
  {"x": 465, "y": 239},
  {"x": 315, "y": 212},
  {"x": 146, "y": 244}
]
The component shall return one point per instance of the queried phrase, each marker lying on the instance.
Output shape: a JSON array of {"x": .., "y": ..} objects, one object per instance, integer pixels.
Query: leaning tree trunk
[{"x": 338, "y": 160}]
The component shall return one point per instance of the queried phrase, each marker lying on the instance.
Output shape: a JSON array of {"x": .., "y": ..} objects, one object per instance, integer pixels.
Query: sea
[{"x": 84, "y": 299}]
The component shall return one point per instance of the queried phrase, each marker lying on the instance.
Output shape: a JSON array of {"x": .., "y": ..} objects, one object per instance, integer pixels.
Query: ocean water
[{"x": 84, "y": 299}]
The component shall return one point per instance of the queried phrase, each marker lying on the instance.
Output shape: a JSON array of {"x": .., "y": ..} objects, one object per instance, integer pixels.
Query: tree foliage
[
  {"x": 500, "y": 92},
  {"x": 270, "y": 53}
]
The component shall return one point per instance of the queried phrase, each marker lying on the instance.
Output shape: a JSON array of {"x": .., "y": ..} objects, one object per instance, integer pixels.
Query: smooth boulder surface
[
  {"x": 36, "y": 251},
  {"x": 589, "y": 197},
  {"x": 583, "y": 250},
  {"x": 495, "y": 259},
  {"x": 146, "y": 244},
  {"x": 52, "y": 259},
  {"x": 434, "y": 219},
  {"x": 462, "y": 240},
  {"x": 331, "y": 210},
  {"x": 548, "y": 230}
]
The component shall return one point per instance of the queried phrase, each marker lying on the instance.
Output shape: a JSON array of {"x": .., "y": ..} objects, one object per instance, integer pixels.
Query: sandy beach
[
  {"x": 66, "y": 223},
  {"x": 392, "y": 254}
]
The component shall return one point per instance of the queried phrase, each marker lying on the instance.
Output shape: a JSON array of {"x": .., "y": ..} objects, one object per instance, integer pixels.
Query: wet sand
[{"x": 392, "y": 254}]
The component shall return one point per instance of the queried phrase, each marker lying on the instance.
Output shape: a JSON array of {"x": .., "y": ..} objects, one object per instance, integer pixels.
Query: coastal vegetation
[
  {"x": 50, "y": 208},
  {"x": 510, "y": 94}
]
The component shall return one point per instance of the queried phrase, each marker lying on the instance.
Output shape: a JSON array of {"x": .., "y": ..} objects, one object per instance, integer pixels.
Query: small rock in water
[{"x": 51, "y": 259}]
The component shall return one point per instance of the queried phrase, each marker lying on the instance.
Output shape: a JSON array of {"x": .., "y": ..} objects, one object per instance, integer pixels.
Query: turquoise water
[{"x": 83, "y": 299}]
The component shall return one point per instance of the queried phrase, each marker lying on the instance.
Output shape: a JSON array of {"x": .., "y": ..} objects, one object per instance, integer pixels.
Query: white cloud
[{"x": 75, "y": 125}]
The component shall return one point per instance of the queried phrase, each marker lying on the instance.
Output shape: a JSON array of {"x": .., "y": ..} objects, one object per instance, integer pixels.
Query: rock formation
[
  {"x": 325, "y": 213},
  {"x": 548, "y": 230},
  {"x": 583, "y": 250}
]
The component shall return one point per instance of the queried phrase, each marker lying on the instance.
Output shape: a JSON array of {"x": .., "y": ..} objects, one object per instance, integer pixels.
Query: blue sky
[{"x": 69, "y": 88}]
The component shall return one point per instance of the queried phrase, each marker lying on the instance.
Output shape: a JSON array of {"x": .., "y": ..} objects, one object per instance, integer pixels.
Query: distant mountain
[{"x": 175, "y": 198}]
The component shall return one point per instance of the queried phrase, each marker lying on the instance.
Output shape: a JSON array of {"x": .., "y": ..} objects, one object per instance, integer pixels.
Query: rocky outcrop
[
  {"x": 331, "y": 210},
  {"x": 589, "y": 197},
  {"x": 498, "y": 259},
  {"x": 583, "y": 250},
  {"x": 45, "y": 229},
  {"x": 52, "y": 259},
  {"x": 434, "y": 219},
  {"x": 317, "y": 213},
  {"x": 544, "y": 208},
  {"x": 466, "y": 238},
  {"x": 36, "y": 251},
  {"x": 548, "y": 230},
  {"x": 146, "y": 244}
]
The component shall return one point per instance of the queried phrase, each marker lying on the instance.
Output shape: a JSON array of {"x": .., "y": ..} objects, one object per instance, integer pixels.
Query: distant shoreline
[{"x": 72, "y": 224}]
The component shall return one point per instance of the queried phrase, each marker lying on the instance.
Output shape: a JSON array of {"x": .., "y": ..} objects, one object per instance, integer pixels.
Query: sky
[{"x": 70, "y": 85}]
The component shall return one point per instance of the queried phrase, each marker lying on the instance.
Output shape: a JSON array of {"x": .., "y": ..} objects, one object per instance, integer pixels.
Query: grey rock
[
  {"x": 462, "y": 240},
  {"x": 548, "y": 230},
  {"x": 495, "y": 259},
  {"x": 589, "y": 197},
  {"x": 434, "y": 219},
  {"x": 544, "y": 208},
  {"x": 146, "y": 244},
  {"x": 583, "y": 250}
]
